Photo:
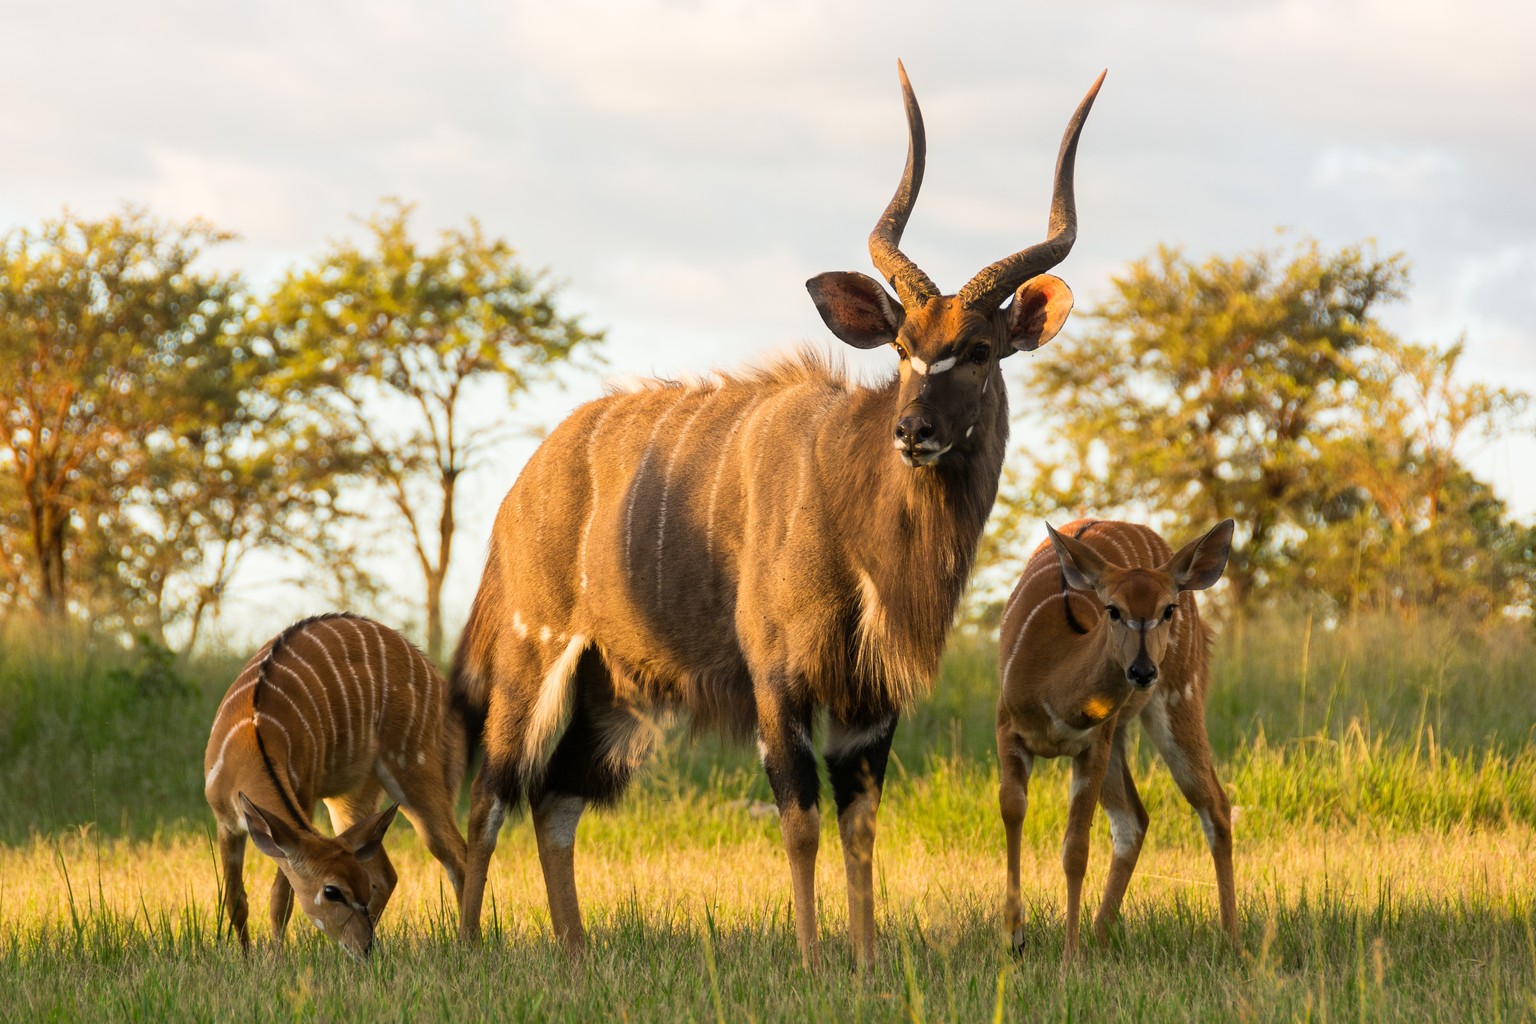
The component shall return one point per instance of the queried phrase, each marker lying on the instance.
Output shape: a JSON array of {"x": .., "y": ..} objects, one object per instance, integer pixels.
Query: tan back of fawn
[
  {"x": 341, "y": 709},
  {"x": 1104, "y": 627}
]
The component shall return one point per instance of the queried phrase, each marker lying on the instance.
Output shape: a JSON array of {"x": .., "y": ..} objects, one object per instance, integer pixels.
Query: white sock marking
[{"x": 558, "y": 817}]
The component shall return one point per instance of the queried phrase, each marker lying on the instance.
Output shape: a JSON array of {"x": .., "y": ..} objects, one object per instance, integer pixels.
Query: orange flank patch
[{"x": 1098, "y": 708}]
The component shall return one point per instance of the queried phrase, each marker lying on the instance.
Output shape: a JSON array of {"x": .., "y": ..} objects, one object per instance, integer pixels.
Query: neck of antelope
[
  {"x": 914, "y": 531},
  {"x": 264, "y": 775}
]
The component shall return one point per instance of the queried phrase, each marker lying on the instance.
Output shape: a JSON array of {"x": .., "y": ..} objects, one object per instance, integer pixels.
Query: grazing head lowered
[
  {"x": 335, "y": 881},
  {"x": 764, "y": 551}
]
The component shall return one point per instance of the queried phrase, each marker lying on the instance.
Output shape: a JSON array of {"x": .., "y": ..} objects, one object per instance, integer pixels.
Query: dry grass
[
  {"x": 1386, "y": 781},
  {"x": 1357, "y": 923}
]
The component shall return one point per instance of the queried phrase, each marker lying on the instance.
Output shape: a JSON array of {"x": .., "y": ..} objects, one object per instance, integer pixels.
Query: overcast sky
[{"x": 683, "y": 167}]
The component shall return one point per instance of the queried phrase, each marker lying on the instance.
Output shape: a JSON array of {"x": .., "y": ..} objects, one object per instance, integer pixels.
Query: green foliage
[
  {"x": 139, "y": 456},
  {"x": 93, "y": 735},
  {"x": 117, "y": 347},
  {"x": 385, "y": 343},
  {"x": 1264, "y": 388},
  {"x": 1294, "y": 707},
  {"x": 153, "y": 673}
]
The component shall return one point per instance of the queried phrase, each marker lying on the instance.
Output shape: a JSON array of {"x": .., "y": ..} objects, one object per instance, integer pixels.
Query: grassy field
[{"x": 1385, "y": 780}]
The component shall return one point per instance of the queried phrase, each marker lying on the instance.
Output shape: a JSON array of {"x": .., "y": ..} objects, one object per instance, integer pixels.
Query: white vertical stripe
[
  {"x": 339, "y": 686},
  {"x": 384, "y": 673},
  {"x": 666, "y": 490},
  {"x": 327, "y": 690},
  {"x": 407, "y": 737},
  {"x": 354, "y": 723},
  {"x": 218, "y": 762},
  {"x": 720, "y": 463},
  {"x": 586, "y": 530},
  {"x": 1019, "y": 640},
  {"x": 279, "y": 665},
  {"x": 634, "y": 484}
]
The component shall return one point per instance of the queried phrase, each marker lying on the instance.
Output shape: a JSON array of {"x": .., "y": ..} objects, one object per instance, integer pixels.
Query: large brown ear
[
  {"x": 1080, "y": 564},
  {"x": 1200, "y": 563},
  {"x": 366, "y": 837},
  {"x": 1040, "y": 307},
  {"x": 856, "y": 307},
  {"x": 270, "y": 833}
]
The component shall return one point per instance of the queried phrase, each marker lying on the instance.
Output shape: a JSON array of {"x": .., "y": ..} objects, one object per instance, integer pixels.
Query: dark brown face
[
  {"x": 949, "y": 364},
  {"x": 1140, "y": 606},
  {"x": 949, "y": 351}
]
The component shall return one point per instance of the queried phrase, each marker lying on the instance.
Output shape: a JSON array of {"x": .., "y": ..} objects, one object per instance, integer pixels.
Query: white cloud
[
  {"x": 1401, "y": 174},
  {"x": 686, "y": 164}
]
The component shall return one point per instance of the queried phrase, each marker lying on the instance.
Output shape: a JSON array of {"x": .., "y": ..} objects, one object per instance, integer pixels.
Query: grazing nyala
[
  {"x": 757, "y": 550},
  {"x": 1102, "y": 628},
  {"x": 338, "y": 708}
]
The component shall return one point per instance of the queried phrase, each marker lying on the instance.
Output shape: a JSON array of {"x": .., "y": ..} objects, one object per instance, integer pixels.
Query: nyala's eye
[
  {"x": 980, "y": 354},
  {"x": 901, "y": 350},
  {"x": 1168, "y": 613},
  {"x": 1114, "y": 613},
  {"x": 333, "y": 894}
]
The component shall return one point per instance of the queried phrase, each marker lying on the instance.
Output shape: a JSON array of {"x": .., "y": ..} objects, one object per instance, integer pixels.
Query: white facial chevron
[{"x": 923, "y": 369}]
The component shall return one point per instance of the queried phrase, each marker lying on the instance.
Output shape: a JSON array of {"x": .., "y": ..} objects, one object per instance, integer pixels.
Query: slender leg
[
  {"x": 1179, "y": 736},
  {"x": 555, "y": 816},
  {"x": 1014, "y": 765},
  {"x": 856, "y": 760},
  {"x": 1127, "y": 826},
  {"x": 487, "y": 810},
  {"x": 432, "y": 817},
  {"x": 280, "y": 906},
  {"x": 1087, "y": 776},
  {"x": 784, "y": 741},
  {"x": 232, "y": 854},
  {"x": 605, "y": 741}
]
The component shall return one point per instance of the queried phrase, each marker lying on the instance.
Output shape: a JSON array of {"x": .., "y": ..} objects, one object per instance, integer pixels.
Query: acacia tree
[
  {"x": 110, "y": 339},
  {"x": 1415, "y": 528},
  {"x": 385, "y": 342},
  {"x": 141, "y": 454},
  {"x": 171, "y": 540},
  {"x": 1264, "y": 388}
]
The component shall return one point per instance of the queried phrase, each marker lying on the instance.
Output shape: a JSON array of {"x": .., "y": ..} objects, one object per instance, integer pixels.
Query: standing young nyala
[{"x": 1104, "y": 627}]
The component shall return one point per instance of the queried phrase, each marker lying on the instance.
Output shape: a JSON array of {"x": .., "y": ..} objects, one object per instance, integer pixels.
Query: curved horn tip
[{"x": 1094, "y": 89}]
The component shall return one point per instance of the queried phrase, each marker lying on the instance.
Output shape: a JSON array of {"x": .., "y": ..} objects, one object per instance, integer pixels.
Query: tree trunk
[
  {"x": 49, "y": 537},
  {"x": 435, "y": 617},
  {"x": 435, "y": 578}
]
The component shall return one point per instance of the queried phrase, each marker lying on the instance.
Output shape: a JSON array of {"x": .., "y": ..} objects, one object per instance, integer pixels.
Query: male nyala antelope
[
  {"x": 1104, "y": 627},
  {"x": 343, "y": 709},
  {"x": 753, "y": 550}
]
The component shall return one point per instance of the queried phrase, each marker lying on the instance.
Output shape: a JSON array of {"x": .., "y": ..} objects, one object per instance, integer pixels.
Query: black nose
[
  {"x": 1142, "y": 673},
  {"x": 913, "y": 430}
]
